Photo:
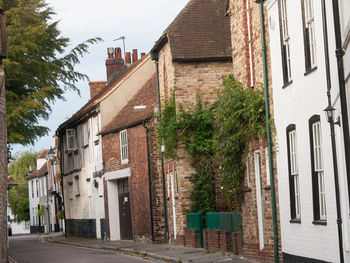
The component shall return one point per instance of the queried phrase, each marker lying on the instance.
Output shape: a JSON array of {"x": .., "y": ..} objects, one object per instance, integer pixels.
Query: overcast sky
[{"x": 140, "y": 21}]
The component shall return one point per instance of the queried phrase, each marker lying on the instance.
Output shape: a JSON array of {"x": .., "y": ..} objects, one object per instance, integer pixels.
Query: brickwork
[
  {"x": 186, "y": 80},
  {"x": 191, "y": 238},
  {"x": 3, "y": 170},
  {"x": 245, "y": 63},
  {"x": 139, "y": 191}
]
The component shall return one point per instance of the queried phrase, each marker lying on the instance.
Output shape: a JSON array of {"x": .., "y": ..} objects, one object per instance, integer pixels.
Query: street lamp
[
  {"x": 330, "y": 115},
  {"x": 51, "y": 156}
]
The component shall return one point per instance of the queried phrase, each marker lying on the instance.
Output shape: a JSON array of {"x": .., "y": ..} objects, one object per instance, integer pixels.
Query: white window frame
[
  {"x": 318, "y": 167},
  {"x": 124, "y": 147},
  {"x": 310, "y": 24},
  {"x": 286, "y": 37},
  {"x": 249, "y": 183},
  {"x": 294, "y": 170},
  {"x": 71, "y": 140}
]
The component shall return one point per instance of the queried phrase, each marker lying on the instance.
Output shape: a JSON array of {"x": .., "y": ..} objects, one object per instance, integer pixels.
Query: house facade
[
  {"x": 80, "y": 147},
  {"x": 247, "y": 57},
  {"x": 301, "y": 91},
  {"x": 38, "y": 199},
  {"x": 132, "y": 182},
  {"x": 192, "y": 56}
]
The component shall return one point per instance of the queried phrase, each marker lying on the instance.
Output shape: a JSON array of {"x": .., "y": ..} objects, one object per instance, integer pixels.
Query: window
[
  {"x": 71, "y": 140},
  {"x": 124, "y": 147},
  {"x": 293, "y": 169},
  {"x": 32, "y": 189},
  {"x": 251, "y": 79},
  {"x": 76, "y": 186},
  {"x": 267, "y": 166},
  {"x": 309, "y": 34},
  {"x": 318, "y": 185},
  {"x": 248, "y": 172},
  {"x": 95, "y": 129},
  {"x": 26, "y": 225},
  {"x": 285, "y": 41},
  {"x": 37, "y": 188}
]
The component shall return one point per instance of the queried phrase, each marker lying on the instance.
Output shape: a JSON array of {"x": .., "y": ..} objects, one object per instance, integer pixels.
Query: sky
[{"x": 142, "y": 22}]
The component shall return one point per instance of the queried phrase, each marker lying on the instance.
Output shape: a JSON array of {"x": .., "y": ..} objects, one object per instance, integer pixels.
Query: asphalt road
[{"x": 32, "y": 249}]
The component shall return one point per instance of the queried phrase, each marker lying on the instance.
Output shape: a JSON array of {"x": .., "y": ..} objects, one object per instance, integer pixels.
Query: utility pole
[{"x": 3, "y": 145}]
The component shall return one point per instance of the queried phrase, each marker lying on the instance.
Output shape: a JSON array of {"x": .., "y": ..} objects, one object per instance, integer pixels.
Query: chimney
[
  {"x": 134, "y": 56},
  {"x": 96, "y": 87},
  {"x": 114, "y": 63},
  {"x": 143, "y": 54},
  {"x": 127, "y": 58}
]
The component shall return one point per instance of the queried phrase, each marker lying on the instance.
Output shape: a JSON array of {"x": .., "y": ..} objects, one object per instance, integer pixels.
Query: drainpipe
[
  {"x": 345, "y": 119},
  {"x": 155, "y": 57},
  {"x": 149, "y": 181},
  {"x": 268, "y": 128},
  {"x": 331, "y": 123}
]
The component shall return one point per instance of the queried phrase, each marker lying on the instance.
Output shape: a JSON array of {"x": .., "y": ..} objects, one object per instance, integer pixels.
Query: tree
[
  {"x": 38, "y": 69},
  {"x": 18, "y": 195}
]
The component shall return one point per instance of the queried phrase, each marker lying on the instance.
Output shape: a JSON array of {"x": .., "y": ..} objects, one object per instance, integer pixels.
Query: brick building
[
  {"x": 133, "y": 201},
  {"x": 192, "y": 56},
  {"x": 248, "y": 69}
]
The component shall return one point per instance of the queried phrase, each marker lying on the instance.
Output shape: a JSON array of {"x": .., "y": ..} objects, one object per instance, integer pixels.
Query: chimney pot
[
  {"x": 110, "y": 52},
  {"x": 134, "y": 55},
  {"x": 143, "y": 54},
  {"x": 128, "y": 58},
  {"x": 118, "y": 52}
]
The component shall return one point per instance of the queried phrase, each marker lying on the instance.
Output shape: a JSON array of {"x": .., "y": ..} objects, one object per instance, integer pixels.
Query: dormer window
[{"x": 124, "y": 151}]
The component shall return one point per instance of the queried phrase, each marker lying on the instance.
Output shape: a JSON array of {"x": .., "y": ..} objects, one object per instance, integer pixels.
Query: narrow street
[{"x": 31, "y": 248}]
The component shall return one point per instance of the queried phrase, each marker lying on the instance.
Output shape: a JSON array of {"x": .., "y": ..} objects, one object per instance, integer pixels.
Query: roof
[
  {"x": 92, "y": 103},
  {"x": 128, "y": 116},
  {"x": 37, "y": 173},
  {"x": 43, "y": 154},
  {"x": 200, "y": 32}
]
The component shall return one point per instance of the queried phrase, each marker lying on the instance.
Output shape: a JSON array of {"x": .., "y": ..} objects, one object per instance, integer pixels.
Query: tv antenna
[{"x": 123, "y": 38}]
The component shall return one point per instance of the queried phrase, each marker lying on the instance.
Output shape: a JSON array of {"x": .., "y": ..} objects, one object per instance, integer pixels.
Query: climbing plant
[
  {"x": 239, "y": 118},
  {"x": 217, "y": 136}
]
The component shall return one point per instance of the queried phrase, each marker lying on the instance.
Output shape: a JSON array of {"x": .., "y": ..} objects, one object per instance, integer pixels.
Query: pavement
[{"x": 160, "y": 252}]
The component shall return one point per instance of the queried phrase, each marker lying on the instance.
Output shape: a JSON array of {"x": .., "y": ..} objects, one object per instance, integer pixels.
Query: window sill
[
  {"x": 320, "y": 222},
  {"x": 287, "y": 84},
  {"x": 295, "y": 221},
  {"x": 310, "y": 71}
]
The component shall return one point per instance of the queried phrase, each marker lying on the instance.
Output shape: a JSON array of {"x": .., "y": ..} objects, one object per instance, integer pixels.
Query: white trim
[
  {"x": 346, "y": 35},
  {"x": 269, "y": 4},
  {"x": 118, "y": 174},
  {"x": 259, "y": 199}
]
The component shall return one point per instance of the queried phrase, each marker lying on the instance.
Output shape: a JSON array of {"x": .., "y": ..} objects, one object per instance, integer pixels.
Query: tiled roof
[
  {"x": 91, "y": 104},
  {"x": 42, "y": 155},
  {"x": 200, "y": 32},
  {"x": 37, "y": 173},
  {"x": 128, "y": 116}
]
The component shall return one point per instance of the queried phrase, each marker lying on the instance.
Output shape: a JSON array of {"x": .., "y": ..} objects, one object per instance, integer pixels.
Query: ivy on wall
[{"x": 218, "y": 136}]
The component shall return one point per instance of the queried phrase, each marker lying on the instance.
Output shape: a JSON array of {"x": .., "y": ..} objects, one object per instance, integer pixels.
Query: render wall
[
  {"x": 125, "y": 90},
  {"x": 83, "y": 181},
  {"x": 189, "y": 80},
  {"x": 295, "y": 104}
]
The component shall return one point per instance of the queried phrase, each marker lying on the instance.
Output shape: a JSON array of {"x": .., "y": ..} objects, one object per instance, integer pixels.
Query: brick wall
[
  {"x": 242, "y": 72},
  {"x": 3, "y": 170},
  {"x": 188, "y": 80},
  {"x": 139, "y": 181}
]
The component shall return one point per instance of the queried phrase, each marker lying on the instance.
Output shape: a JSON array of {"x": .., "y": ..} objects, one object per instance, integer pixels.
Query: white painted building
[
  {"x": 37, "y": 190},
  {"x": 18, "y": 228},
  {"x": 304, "y": 157},
  {"x": 81, "y": 149}
]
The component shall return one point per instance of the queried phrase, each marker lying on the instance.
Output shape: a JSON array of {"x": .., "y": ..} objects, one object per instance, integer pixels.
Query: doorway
[{"x": 124, "y": 209}]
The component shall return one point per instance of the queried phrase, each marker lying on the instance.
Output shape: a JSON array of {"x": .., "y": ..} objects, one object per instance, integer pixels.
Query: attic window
[
  {"x": 71, "y": 140},
  {"x": 139, "y": 107}
]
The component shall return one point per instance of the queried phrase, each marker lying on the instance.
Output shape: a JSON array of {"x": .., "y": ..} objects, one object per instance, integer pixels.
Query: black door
[{"x": 124, "y": 210}]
